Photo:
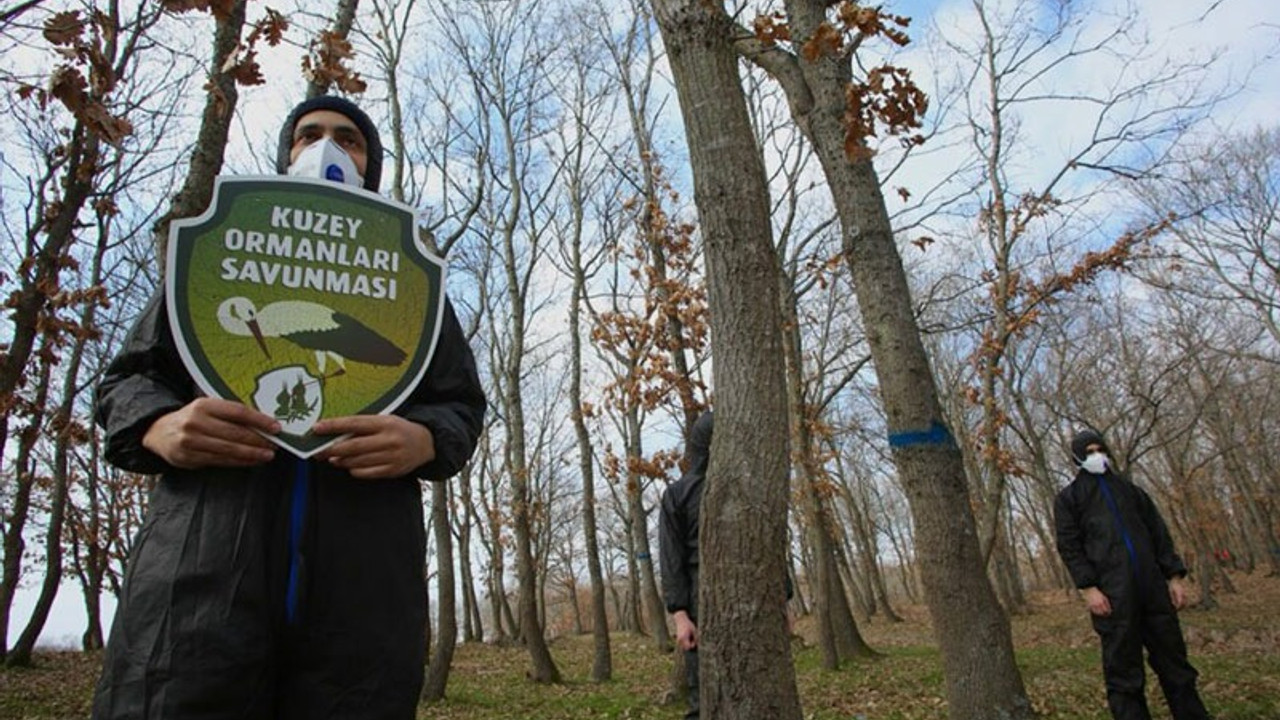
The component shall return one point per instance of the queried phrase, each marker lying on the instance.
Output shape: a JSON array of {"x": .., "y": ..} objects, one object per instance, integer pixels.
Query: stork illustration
[{"x": 312, "y": 326}]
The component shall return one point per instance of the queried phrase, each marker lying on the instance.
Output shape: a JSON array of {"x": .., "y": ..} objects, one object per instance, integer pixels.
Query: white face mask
[
  {"x": 323, "y": 159},
  {"x": 1096, "y": 463}
]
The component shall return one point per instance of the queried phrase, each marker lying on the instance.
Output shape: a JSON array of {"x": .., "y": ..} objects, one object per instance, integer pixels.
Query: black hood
[
  {"x": 373, "y": 161},
  {"x": 697, "y": 452},
  {"x": 1084, "y": 439}
]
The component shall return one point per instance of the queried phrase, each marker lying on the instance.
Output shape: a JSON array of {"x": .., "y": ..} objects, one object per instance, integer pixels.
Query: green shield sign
[{"x": 305, "y": 299}]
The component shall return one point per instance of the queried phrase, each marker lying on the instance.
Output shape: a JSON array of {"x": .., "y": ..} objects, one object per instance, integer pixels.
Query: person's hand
[
  {"x": 1097, "y": 602},
  {"x": 379, "y": 446},
  {"x": 1177, "y": 593},
  {"x": 212, "y": 432},
  {"x": 686, "y": 631}
]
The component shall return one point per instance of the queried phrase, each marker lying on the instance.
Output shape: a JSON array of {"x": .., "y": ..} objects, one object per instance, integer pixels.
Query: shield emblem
[{"x": 305, "y": 299}]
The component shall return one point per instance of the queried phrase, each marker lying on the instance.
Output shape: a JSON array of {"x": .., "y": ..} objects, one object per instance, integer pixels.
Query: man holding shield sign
[{"x": 269, "y": 584}]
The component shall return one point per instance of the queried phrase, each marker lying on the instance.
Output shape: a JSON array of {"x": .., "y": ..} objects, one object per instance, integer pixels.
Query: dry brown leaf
[{"x": 64, "y": 28}]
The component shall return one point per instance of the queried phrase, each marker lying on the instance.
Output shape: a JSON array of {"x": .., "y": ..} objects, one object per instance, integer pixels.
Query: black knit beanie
[
  {"x": 373, "y": 144},
  {"x": 1084, "y": 439}
]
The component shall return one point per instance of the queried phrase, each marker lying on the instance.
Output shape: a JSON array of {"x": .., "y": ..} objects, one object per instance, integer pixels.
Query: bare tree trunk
[
  {"x": 745, "y": 654},
  {"x": 29, "y": 310},
  {"x": 983, "y": 681},
  {"x": 907, "y": 569},
  {"x": 821, "y": 577},
  {"x": 544, "y": 669},
  {"x": 862, "y": 599},
  {"x": 1241, "y": 477},
  {"x": 602, "y": 662},
  {"x": 1008, "y": 581},
  {"x": 575, "y": 607},
  {"x": 864, "y": 538},
  {"x": 472, "y": 626},
  {"x": 215, "y": 124},
  {"x": 88, "y": 555},
  {"x": 541, "y": 556},
  {"x": 647, "y": 586},
  {"x": 509, "y": 619},
  {"x": 1042, "y": 489},
  {"x": 20, "y": 653},
  {"x": 20, "y": 507},
  {"x": 64, "y": 436},
  {"x": 849, "y": 640},
  {"x": 437, "y": 678},
  {"x": 631, "y": 619},
  {"x": 504, "y": 625},
  {"x": 829, "y": 610},
  {"x": 618, "y": 610}
]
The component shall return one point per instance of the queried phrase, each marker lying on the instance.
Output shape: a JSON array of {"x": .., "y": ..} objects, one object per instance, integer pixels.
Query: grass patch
[{"x": 1236, "y": 647}]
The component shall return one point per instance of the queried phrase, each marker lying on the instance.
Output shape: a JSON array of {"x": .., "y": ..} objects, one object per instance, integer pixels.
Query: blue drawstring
[
  {"x": 1124, "y": 533},
  {"x": 297, "y": 509}
]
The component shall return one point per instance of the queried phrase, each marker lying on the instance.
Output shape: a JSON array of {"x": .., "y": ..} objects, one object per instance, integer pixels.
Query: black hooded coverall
[
  {"x": 678, "y": 541},
  {"x": 285, "y": 590},
  {"x": 679, "y": 516},
  {"x": 1110, "y": 536}
]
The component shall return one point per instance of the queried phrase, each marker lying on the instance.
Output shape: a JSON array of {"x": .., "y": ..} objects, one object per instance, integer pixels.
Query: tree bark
[
  {"x": 745, "y": 655},
  {"x": 472, "y": 626},
  {"x": 864, "y": 533},
  {"x": 544, "y": 668},
  {"x": 64, "y": 436},
  {"x": 215, "y": 125},
  {"x": 837, "y": 629},
  {"x": 650, "y": 600},
  {"x": 437, "y": 678},
  {"x": 602, "y": 659},
  {"x": 983, "y": 681},
  {"x": 20, "y": 507}
]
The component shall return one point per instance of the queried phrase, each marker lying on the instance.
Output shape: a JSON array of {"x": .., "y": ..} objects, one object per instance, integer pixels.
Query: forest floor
[{"x": 1236, "y": 648}]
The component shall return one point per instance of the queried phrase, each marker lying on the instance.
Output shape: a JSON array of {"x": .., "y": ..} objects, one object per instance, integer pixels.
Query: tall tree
[
  {"x": 744, "y": 652},
  {"x": 508, "y": 86},
  {"x": 838, "y": 635},
  {"x": 104, "y": 49},
  {"x": 837, "y": 114},
  {"x": 586, "y": 101},
  {"x": 653, "y": 342},
  {"x": 1028, "y": 225},
  {"x": 863, "y": 524},
  {"x": 821, "y": 357},
  {"x": 68, "y": 434},
  {"x": 231, "y": 60},
  {"x": 437, "y": 676}
]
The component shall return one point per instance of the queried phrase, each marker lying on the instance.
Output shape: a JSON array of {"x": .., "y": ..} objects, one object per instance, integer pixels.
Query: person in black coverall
[
  {"x": 261, "y": 585},
  {"x": 1120, "y": 555},
  {"x": 678, "y": 543},
  {"x": 678, "y": 547}
]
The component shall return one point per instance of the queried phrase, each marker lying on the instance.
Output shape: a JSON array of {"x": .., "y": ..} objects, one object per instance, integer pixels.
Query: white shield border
[{"x": 180, "y": 340}]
